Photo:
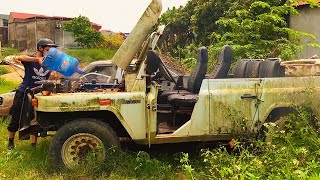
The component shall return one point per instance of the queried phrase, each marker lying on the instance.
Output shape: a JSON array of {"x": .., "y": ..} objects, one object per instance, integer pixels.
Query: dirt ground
[{"x": 174, "y": 65}]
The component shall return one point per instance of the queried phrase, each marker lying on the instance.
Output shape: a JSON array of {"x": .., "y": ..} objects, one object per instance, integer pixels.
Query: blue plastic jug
[{"x": 59, "y": 61}]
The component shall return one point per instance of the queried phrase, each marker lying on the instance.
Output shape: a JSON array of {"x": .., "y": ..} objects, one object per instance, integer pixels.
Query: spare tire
[
  {"x": 224, "y": 63},
  {"x": 252, "y": 69},
  {"x": 240, "y": 69},
  {"x": 269, "y": 69}
]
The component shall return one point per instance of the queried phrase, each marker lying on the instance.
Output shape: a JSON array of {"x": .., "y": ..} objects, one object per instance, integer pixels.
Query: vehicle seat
[
  {"x": 189, "y": 96},
  {"x": 155, "y": 63},
  {"x": 224, "y": 62}
]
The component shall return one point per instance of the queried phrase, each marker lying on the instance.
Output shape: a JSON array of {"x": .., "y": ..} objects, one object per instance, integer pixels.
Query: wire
[{"x": 16, "y": 71}]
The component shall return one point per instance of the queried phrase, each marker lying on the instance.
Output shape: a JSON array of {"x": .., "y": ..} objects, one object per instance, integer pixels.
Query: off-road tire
[
  {"x": 266, "y": 131},
  {"x": 269, "y": 69},
  {"x": 240, "y": 69},
  {"x": 252, "y": 69},
  {"x": 88, "y": 133}
]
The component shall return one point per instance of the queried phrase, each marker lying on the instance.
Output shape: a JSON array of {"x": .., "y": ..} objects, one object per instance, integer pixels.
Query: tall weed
[
  {"x": 4, "y": 70},
  {"x": 87, "y": 56},
  {"x": 7, "y": 86},
  {"x": 8, "y": 51},
  {"x": 293, "y": 153}
]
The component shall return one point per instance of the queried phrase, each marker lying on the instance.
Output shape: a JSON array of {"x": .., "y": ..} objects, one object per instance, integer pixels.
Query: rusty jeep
[{"x": 143, "y": 109}]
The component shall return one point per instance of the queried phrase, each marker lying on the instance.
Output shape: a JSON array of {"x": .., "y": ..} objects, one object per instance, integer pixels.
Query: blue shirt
[{"x": 33, "y": 72}]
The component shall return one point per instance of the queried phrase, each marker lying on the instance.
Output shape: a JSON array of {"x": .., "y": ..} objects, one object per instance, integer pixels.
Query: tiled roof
[
  {"x": 301, "y": 3},
  {"x": 17, "y": 15}
]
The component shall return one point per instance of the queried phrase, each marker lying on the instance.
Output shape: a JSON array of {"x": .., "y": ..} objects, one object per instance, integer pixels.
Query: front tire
[
  {"x": 75, "y": 140},
  {"x": 267, "y": 131}
]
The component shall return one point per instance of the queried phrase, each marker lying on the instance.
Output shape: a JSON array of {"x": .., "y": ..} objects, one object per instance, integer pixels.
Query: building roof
[
  {"x": 17, "y": 15},
  {"x": 301, "y": 3}
]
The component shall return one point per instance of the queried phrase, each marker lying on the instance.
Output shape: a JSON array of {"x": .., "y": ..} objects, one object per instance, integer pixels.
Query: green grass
[
  {"x": 89, "y": 55},
  {"x": 6, "y": 86},
  {"x": 25, "y": 162},
  {"x": 4, "y": 70},
  {"x": 293, "y": 154},
  {"x": 8, "y": 51}
]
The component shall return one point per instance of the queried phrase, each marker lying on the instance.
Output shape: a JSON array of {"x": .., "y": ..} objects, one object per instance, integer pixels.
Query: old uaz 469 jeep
[{"x": 140, "y": 109}]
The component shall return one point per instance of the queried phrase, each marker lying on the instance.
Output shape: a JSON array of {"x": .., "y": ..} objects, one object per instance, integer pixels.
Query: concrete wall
[
  {"x": 3, "y": 33},
  {"x": 24, "y": 33},
  {"x": 308, "y": 21}
]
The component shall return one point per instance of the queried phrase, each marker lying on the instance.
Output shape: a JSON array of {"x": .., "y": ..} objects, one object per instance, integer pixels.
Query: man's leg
[
  {"x": 34, "y": 139},
  {"x": 15, "y": 111},
  {"x": 11, "y": 139}
]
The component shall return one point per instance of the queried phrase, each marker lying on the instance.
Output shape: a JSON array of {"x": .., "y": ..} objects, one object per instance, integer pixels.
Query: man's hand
[
  {"x": 9, "y": 60},
  {"x": 40, "y": 60},
  {"x": 55, "y": 75}
]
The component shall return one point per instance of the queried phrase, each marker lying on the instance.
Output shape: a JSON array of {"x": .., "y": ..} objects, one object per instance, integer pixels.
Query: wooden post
[{"x": 0, "y": 48}]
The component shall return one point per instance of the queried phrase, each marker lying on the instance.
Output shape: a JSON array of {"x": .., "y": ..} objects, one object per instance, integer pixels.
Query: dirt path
[{"x": 174, "y": 65}]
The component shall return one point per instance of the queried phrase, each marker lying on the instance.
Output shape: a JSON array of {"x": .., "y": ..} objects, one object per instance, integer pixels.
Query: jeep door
[{"x": 234, "y": 105}]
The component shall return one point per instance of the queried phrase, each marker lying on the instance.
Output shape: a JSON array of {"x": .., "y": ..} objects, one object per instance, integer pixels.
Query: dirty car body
[
  {"x": 220, "y": 110},
  {"x": 100, "y": 71}
]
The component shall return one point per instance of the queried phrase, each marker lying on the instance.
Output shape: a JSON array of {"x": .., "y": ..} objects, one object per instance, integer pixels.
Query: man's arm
[
  {"x": 16, "y": 59},
  {"x": 29, "y": 59}
]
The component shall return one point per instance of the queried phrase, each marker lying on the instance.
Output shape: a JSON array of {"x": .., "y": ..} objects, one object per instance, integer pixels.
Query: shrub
[
  {"x": 112, "y": 41},
  {"x": 89, "y": 55},
  {"x": 4, "y": 70},
  {"x": 7, "y": 86},
  {"x": 7, "y": 52}
]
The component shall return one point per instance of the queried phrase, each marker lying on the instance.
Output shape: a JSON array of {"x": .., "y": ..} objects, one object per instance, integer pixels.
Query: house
[
  {"x": 307, "y": 21},
  {"x": 26, "y": 29},
  {"x": 106, "y": 32},
  {"x": 4, "y": 29}
]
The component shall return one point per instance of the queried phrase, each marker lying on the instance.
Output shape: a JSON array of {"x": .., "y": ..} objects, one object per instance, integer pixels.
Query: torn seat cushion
[{"x": 185, "y": 100}]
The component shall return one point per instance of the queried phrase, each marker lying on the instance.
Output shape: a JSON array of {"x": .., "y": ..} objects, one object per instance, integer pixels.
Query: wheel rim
[{"x": 76, "y": 147}]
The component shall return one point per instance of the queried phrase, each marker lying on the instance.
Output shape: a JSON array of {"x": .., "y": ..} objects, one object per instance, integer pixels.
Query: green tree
[
  {"x": 260, "y": 30},
  {"x": 83, "y": 32},
  {"x": 255, "y": 29}
]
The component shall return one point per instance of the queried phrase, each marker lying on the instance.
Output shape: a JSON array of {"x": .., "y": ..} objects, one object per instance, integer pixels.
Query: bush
[
  {"x": 113, "y": 41},
  {"x": 292, "y": 154},
  {"x": 90, "y": 55},
  {"x": 7, "y": 52},
  {"x": 4, "y": 70},
  {"x": 7, "y": 86}
]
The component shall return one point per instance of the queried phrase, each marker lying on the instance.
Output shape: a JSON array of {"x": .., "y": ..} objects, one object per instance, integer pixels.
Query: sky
[{"x": 115, "y": 15}]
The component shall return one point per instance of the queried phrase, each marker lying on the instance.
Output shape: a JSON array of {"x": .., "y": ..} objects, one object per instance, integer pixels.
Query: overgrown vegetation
[
  {"x": 112, "y": 41},
  {"x": 4, "y": 70},
  {"x": 86, "y": 56},
  {"x": 83, "y": 32},
  {"x": 254, "y": 29},
  {"x": 7, "y": 85},
  {"x": 293, "y": 154},
  {"x": 88, "y": 37},
  {"x": 7, "y": 52}
]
